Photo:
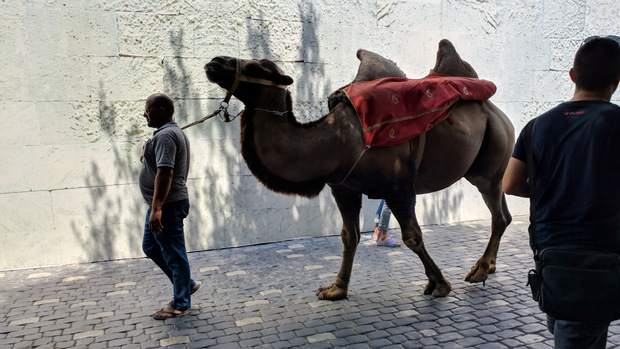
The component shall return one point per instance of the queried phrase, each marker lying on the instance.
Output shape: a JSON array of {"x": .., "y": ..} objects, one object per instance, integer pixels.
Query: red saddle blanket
[{"x": 393, "y": 110}]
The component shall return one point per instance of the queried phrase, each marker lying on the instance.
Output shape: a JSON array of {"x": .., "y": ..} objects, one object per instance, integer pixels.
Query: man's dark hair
[
  {"x": 160, "y": 100},
  {"x": 597, "y": 64}
]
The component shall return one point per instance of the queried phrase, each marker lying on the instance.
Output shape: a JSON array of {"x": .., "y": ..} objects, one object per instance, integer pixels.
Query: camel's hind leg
[
  {"x": 500, "y": 219},
  {"x": 349, "y": 204},
  {"x": 486, "y": 174},
  {"x": 404, "y": 211}
]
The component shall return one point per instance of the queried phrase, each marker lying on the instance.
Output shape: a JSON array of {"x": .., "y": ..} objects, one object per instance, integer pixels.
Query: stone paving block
[
  {"x": 250, "y": 343},
  {"x": 149, "y": 344},
  {"x": 531, "y": 339},
  {"x": 357, "y": 339},
  {"x": 41, "y": 342},
  {"x": 281, "y": 345},
  {"x": 24, "y": 321},
  {"x": 84, "y": 342},
  {"x": 131, "y": 346},
  {"x": 491, "y": 338},
  {"x": 470, "y": 342},
  {"x": 449, "y": 337},
  {"x": 174, "y": 340},
  {"x": 33, "y": 337},
  {"x": 22, "y": 333},
  {"x": 233, "y": 330},
  {"x": 23, "y": 344},
  {"x": 99, "y": 345},
  {"x": 205, "y": 343},
  {"x": 471, "y": 333},
  {"x": 269, "y": 331},
  {"x": 117, "y": 343}
]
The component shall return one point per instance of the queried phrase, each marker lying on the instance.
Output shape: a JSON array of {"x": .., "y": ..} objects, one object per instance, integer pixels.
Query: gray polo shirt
[{"x": 169, "y": 147}]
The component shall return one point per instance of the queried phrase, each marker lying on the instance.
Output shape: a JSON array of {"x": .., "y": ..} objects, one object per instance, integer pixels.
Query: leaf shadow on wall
[
  {"x": 208, "y": 187},
  {"x": 113, "y": 225}
]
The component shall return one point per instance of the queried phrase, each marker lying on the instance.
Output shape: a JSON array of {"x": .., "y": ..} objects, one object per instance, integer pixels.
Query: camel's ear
[
  {"x": 284, "y": 80},
  {"x": 274, "y": 73}
]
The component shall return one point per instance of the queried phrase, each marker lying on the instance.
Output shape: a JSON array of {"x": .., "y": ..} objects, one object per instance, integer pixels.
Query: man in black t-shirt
[{"x": 576, "y": 178}]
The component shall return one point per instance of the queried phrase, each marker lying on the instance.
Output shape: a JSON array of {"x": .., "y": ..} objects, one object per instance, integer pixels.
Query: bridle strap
[
  {"x": 240, "y": 77},
  {"x": 260, "y": 81},
  {"x": 223, "y": 110},
  {"x": 233, "y": 88}
]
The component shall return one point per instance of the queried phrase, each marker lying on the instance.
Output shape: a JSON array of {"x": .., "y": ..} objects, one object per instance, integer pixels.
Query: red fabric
[{"x": 393, "y": 110}]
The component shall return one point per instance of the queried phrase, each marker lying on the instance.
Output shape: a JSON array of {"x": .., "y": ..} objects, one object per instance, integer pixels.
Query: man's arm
[
  {"x": 515, "y": 179},
  {"x": 163, "y": 181}
]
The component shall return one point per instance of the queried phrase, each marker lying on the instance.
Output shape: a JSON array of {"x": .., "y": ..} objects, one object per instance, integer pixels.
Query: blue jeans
[
  {"x": 578, "y": 335},
  {"x": 383, "y": 215},
  {"x": 167, "y": 250}
]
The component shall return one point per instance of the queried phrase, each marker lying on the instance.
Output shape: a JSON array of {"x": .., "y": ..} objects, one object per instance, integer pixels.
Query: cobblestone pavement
[{"x": 264, "y": 296}]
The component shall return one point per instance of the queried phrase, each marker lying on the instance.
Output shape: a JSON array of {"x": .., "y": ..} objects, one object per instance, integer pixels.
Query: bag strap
[{"x": 530, "y": 177}]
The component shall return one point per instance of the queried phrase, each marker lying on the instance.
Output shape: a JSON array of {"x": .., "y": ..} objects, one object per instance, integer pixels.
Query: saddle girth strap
[{"x": 420, "y": 153}]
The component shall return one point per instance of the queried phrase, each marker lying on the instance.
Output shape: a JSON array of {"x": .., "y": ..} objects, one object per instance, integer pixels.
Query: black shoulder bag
[{"x": 570, "y": 283}]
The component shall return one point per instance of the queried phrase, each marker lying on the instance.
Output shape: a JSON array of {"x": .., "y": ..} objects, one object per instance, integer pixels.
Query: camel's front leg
[
  {"x": 349, "y": 204},
  {"x": 500, "y": 218},
  {"x": 403, "y": 209}
]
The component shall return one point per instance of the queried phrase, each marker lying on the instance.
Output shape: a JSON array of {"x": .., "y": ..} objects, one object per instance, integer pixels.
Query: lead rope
[{"x": 203, "y": 119}]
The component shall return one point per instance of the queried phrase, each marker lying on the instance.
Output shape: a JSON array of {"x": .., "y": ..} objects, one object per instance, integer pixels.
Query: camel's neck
[
  {"x": 285, "y": 145},
  {"x": 278, "y": 100},
  {"x": 281, "y": 151}
]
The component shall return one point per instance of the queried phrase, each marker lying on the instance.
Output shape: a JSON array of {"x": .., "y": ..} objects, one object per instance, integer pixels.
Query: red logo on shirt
[{"x": 574, "y": 112}]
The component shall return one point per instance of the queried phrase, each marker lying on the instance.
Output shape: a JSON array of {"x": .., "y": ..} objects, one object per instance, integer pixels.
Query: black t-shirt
[{"x": 576, "y": 193}]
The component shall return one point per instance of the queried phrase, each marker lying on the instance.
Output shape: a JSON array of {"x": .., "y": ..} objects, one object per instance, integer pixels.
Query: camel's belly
[{"x": 449, "y": 153}]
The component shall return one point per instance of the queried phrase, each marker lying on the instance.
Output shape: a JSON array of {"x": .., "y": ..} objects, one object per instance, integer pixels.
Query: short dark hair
[{"x": 597, "y": 64}]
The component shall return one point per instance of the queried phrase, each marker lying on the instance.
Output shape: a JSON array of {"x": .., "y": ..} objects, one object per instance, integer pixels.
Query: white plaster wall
[{"x": 74, "y": 76}]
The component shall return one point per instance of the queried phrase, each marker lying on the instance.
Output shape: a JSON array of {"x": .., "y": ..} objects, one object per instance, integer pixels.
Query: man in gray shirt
[{"x": 163, "y": 185}]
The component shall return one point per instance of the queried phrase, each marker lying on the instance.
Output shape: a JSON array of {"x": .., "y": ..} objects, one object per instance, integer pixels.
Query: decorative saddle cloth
[{"x": 393, "y": 110}]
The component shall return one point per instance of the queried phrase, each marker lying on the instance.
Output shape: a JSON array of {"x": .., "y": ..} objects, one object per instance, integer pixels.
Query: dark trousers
[{"x": 578, "y": 335}]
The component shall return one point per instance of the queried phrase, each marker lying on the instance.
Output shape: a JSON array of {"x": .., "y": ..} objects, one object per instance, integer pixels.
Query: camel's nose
[{"x": 220, "y": 60}]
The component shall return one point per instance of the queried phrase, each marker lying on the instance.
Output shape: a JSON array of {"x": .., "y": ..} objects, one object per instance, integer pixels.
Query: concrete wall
[{"x": 74, "y": 76}]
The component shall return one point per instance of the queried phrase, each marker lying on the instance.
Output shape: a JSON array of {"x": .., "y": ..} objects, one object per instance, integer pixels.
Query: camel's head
[
  {"x": 223, "y": 71},
  {"x": 450, "y": 63}
]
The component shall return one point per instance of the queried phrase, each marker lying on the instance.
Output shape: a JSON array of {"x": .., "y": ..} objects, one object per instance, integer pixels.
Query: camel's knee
[
  {"x": 508, "y": 218},
  {"x": 499, "y": 224},
  {"x": 414, "y": 244}
]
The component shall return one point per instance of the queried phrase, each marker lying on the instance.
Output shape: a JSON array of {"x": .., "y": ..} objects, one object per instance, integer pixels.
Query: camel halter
[{"x": 222, "y": 111}]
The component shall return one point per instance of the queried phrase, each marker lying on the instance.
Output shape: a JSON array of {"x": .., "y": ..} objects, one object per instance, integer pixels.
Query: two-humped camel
[{"x": 293, "y": 158}]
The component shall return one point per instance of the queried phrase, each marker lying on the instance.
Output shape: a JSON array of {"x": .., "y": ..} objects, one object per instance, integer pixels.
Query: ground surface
[{"x": 264, "y": 296}]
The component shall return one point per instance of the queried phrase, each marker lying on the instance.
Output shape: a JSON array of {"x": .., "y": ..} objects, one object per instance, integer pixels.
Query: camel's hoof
[
  {"x": 438, "y": 289},
  {"x": 430, "y": 287},
  {"x": 479, "y": 273},
  {"x": 331, "y": 293},
  {"x": 442, "y": 290}
]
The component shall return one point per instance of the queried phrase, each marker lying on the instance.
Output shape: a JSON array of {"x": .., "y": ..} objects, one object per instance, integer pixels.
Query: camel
[{"x": 292, "y": 158}]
